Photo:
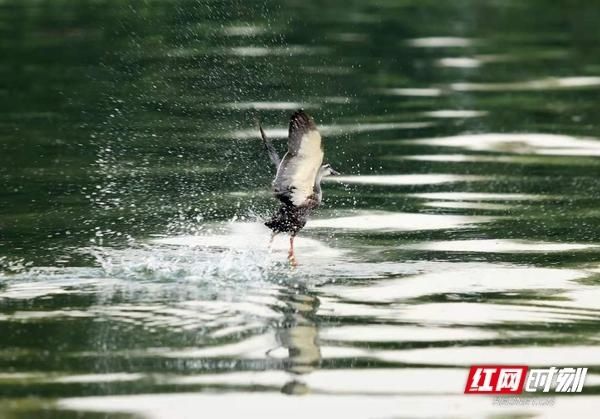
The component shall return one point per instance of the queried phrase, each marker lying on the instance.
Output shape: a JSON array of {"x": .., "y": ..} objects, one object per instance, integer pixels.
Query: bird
[{"x": 297, "y": 183}]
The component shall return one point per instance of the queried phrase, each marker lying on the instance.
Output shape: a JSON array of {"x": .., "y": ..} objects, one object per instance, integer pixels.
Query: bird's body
[
  {"x": 292, "y": 218},
  {"x": 297, "y": 183}
]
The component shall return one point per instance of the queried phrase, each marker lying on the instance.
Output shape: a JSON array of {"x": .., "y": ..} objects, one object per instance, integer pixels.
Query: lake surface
[{"x": 136, "y": 278}]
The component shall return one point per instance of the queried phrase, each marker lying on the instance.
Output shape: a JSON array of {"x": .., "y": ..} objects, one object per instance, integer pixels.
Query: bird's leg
[
  {"x": 291, "y": 256},
  {"x": 273, "y": 234}
]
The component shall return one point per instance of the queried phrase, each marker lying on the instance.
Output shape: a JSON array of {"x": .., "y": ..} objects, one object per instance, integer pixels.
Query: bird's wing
[
  {"x": 302, "y": 128},
  {"x": 269, "y": 147},
  {"x": 295, "y": 179}
]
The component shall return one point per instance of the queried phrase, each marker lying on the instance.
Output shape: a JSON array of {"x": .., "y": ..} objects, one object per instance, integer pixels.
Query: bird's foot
[{"x": 292, "y": 259}]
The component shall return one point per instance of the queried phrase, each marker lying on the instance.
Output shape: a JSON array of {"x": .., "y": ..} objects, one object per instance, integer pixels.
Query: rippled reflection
[
  {"x": 467, "y": 205},
  {"x": 500, "y": 246},
  {"x": 358, "y": 406},
  {"x": 481, "y": 196},
  {"x": 464, "y": 278},
  {"x": 546, "y": 144},
  {"x": 270, "y": 105},
  {"x": 484, "y": 158},
  {"x": 542, "y": 84},
  {"x": 398, "y": 221},
  {"x": 440, "y": 41},
  {"x": 333, "y": 129},
  {"x": 414, "y": 91},
  {"x": 459, "y": 62},
  {"x": 455, "y": 113},
  {"x": 259, "y": 51},
  {"x": 411, "y": 179}
]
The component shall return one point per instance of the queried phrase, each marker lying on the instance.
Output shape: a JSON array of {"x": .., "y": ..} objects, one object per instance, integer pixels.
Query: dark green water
[{"x": 135, "y": 274}]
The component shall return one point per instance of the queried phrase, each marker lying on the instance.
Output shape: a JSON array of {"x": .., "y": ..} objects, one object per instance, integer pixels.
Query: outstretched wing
[
  {"x": 302, "y": 128},
  {"x": 295, "y": 179}
]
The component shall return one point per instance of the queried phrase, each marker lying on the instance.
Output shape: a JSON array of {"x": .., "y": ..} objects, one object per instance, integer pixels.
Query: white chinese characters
[
  {"x": 563, "y": 380},
  {"x": 510, "y": 379}
]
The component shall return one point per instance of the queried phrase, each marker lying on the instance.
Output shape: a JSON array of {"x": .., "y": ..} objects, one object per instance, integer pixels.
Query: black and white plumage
[
  {"x": 299, "y": 167},
  {"x": 297, "y": 183},
  {"x": 291, "y": 218}
]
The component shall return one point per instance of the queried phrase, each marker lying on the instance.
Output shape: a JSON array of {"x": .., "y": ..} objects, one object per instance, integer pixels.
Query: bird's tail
[
  {"x": 277, "y": 222},
  {"x": 272, "y": 223},
  {"x": 269, "y": 147},
  {"x": 285, "y": 220}
]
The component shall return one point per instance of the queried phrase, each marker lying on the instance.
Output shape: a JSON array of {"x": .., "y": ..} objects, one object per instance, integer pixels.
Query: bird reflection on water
[{"x": 299, "y": 334}]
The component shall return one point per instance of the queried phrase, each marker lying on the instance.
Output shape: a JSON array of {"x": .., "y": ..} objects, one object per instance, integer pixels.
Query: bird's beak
[{"x": 335, "y": 172}]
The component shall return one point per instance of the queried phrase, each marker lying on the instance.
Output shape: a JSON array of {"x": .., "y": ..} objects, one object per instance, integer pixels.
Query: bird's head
[{"x": 327, "y": 170}]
